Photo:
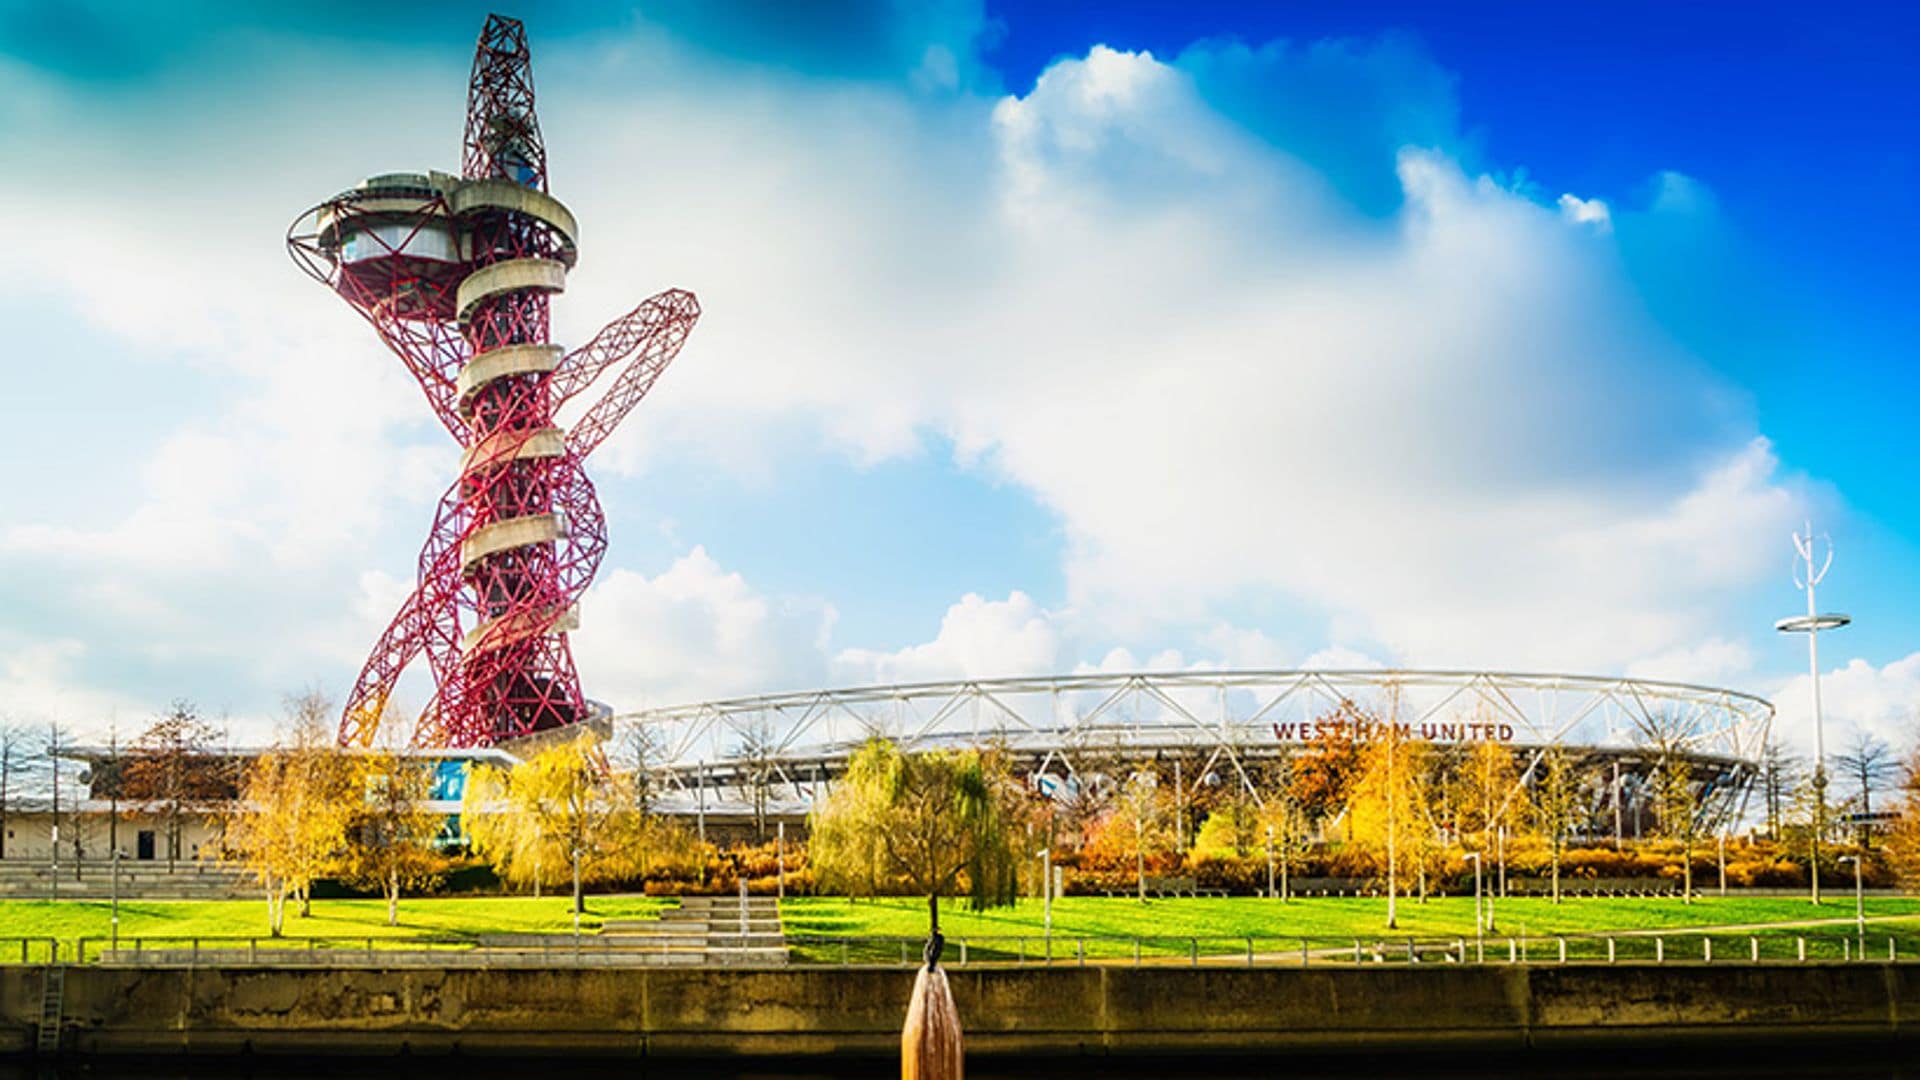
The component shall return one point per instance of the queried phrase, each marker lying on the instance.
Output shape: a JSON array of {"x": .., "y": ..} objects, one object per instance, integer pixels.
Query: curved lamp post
[{"x": 1806, "y": 577}]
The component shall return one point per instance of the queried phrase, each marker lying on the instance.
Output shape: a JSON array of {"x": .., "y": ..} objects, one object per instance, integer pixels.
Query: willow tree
[
  {"x": 556, "y": 811},
  {"x": 931, "y": 824}
]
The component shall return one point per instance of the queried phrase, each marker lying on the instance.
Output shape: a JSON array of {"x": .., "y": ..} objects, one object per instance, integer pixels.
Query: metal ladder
[{"x": 52, "y": 1004}]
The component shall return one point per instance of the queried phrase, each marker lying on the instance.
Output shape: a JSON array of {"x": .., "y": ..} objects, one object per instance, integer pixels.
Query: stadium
[{"x": 769, "y": 757}]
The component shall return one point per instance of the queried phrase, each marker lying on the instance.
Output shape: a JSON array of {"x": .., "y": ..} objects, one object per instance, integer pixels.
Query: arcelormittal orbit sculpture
[{"x": 455, "y": 274}]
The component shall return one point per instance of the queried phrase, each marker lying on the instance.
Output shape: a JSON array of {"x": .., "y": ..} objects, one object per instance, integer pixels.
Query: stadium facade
[{"x": 770, "y": 757}]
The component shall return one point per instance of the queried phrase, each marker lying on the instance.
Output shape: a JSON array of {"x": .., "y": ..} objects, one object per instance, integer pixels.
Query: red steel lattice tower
[{"x": 456, "y": 275}]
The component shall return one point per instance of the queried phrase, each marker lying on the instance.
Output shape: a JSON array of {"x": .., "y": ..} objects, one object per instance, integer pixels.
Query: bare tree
[
  {"x": 1668, "y": 738},
  {"x": 1556, "y": 803},
  {"x": 1870, "y": 765},
  {"x": 634, "y": 753},
  {"x": 753, "y": 757},
  {"x": 53, "y": 752},
  {"x": 1781, "y": 774},
  {"x": 175, "y": 764},
  {"x": 20, "y": 766}
]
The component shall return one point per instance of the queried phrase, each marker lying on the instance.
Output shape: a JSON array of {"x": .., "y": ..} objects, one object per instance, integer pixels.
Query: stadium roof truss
[{"x": 797, "y": 742}]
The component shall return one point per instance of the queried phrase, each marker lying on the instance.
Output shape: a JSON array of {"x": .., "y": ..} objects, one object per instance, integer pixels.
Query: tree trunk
[
  {"x": 1393, "y": 868},
  {"x": 1283, "y": 878},
  {"x": 393, "y": 898},
  {"x": 1556, "y": 871},
  {"x": 1686, "y": 876},
  {"x": 306, "y": 899},
  {"x": 1140, "y": 868}
]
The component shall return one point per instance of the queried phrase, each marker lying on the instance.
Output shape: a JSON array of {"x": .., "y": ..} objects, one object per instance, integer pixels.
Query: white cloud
[
  {"x": 978, "y": 638},
  {"x": 1454, "y": 433},
  {"x": 49, "y": 681},
  {"x": 692, "y": 632},
  {"x": 1592, "y": 212},
  {"x": 1449, "y": 432},
  {"x": 1340, "y": 658},
  {"x": 1713, "y": 662},
  {"x": 1856, "y": 698}
]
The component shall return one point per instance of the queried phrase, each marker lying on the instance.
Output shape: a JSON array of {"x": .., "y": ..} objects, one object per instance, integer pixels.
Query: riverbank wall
[{"x": 795, "y": 1012}]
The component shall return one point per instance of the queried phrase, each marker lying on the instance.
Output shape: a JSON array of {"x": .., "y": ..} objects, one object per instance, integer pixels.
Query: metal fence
[
  {"x": 1662, "y": 948},
  {"x": 1672, "y": 947}
]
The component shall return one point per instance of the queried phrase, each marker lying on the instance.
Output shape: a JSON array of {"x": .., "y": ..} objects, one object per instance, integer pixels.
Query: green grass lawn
[
  {"x": 1108, "y": 923},
  {"x": 1165, "y": 925},
  {"x": 69, "y": 920}
]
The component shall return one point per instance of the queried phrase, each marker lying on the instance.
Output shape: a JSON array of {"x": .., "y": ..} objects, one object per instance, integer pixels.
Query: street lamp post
[
  {"x": 576, "y": 890},
  {"x": 1270, "y": 892},
  {"x": 1046, "y": 893},
  {"x": 1859, "y": 902},
  {"x": 1479, "y": 928},
  {"x": 116, "y": 899},
  {"x": 1723, "y": 859},
  {"x": 1806, "y": 577}
]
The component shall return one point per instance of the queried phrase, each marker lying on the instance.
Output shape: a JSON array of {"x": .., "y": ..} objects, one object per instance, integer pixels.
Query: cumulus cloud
[
  {"x": 1435, "y": 418},
  {"x": 978, "y": 638},
  {"x": 52, "y": 680},
  {"x": 694, "y": 631},
  {"x": 1581, "y": 211},
  {"x": 1453, "y": 431},
  {"x": 1857, "y": 698}
]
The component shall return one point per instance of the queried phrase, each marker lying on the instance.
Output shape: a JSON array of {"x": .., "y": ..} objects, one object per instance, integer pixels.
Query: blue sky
[{"x": 1036, "y": 337}]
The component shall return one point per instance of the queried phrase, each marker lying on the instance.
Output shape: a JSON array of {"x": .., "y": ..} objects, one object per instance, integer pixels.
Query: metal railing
[
  {"x": 1675, "y": 947},
  {"x": 561, "y": 950},
  {"x": 504, "y": 950}
]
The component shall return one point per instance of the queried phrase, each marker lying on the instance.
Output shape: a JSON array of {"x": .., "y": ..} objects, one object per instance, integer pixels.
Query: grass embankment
[
  {"x": 1166, "y": 927},
  {"x": 452, "y": 917}
]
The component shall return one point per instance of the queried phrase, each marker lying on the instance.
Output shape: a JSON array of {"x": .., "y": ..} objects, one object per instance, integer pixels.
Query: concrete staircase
[
  {"x": 189, "y": 880},
  {"x": 706, "y": 930}
]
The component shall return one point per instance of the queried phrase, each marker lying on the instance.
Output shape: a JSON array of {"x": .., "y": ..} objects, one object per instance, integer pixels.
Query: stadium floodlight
[{"x": 1806, "y": 577}]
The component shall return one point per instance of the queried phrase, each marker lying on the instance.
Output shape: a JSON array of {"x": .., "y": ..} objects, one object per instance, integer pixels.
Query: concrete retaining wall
[{"x": 1027, "y": 1011}]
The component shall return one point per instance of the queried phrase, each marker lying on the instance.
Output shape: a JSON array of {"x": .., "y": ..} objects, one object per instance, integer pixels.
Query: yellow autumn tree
[
  {"x": 1384, "y": 812},
  {"x": 1138, "y": 823},
  {"x": 558, "y": 814},
  {"x": 289, "y": 823},
  {"x": 1288, "y": 832},
  {"x": 391, "y": 829},
  {"x": 1488, "y": 798},
  {"x": 1556, "y": 803},
  {"x": 1903, "y": 845},
  {"x": 1233, "y": 828}
]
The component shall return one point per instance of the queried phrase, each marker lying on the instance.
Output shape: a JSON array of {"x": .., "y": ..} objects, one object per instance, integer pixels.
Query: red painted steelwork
[{"x": 456, "y": 276}]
